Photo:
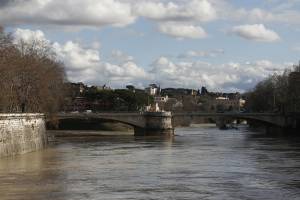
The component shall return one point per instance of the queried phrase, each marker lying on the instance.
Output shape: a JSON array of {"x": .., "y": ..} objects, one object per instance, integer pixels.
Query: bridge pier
[
  {"x": 222, "y": 122},
  {"x": 156, "y": 124}
]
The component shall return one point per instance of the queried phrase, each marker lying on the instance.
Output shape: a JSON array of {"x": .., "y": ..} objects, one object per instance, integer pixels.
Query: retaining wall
[{"x": 21, "y": 133}]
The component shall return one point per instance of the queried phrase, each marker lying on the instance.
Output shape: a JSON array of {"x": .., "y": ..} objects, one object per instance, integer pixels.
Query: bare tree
[
  {"x": 31, "y": 78},
  {"x": 277, "y": 93}
]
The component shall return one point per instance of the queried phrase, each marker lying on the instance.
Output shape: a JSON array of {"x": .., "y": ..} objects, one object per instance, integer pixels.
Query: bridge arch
[
  {"x": 266, "y": 118},
  {"x": 273, "y": 120},
  {"x": 132, "y": 119}
]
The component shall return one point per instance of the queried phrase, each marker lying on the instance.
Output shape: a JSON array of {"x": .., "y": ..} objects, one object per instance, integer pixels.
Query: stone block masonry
[
  {"x": 156, "y": 124},
  {"x": 21, "y": 133}
]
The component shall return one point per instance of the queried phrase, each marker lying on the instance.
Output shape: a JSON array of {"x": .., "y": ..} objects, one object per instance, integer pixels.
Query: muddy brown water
[{"x": 200, "y": 162}]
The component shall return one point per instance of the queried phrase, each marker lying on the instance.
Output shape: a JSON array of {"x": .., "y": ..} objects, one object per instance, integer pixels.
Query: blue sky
[{"x": 223, "y": 45}]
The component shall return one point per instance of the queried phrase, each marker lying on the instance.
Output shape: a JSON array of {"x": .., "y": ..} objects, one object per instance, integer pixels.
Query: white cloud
[
  {"x": 254, "y": 15},
  {"x": 179, "y": 19},
  {"x": 37, "y": 38},
  {"x": 192, "y": 53},
  {"x": 85, "y": 64},
  {"x": 230, "y": 76},
  {"x": 296, "y": 48},
  {"x": 118, "y": 56},
  {"x": 181, "y": 31},
  {"x": 194, "y": 10},
  {"x": 96, "y": 45},
  {"x": 256, "y": 32},
  {"x": 28, "y": 35},
  {"x": 279, "y": 14},
  {"x": 95, "y": 13},
  {"x": 87, "y": 13},
  {"x": 76, "y": 57},
  {"x": 77, "y": 14}
]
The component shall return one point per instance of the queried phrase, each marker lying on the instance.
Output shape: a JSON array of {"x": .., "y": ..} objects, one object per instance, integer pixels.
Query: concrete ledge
[{"x": 21, "y": 115}]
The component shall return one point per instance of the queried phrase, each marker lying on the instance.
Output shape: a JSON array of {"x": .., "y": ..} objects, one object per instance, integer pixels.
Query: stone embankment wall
[{"x": 21, "y": 133}]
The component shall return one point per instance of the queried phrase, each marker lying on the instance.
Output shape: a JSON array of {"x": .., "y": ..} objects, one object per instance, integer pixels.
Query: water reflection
[
  {"x": 31, "y": 176},
  {"x": 198, "y": 163}
]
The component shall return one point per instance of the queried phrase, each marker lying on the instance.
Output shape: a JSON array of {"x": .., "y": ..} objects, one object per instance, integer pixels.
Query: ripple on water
[{"x": 198, "y": 163}]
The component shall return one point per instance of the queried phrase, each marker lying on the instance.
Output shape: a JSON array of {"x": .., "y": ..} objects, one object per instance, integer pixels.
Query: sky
[{"x": 224, "y": 45}]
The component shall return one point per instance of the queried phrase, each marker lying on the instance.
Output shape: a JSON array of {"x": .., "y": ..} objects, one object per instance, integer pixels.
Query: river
[{"x": 200, "y": 162}]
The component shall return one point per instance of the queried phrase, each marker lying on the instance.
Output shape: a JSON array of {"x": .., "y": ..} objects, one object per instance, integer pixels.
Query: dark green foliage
[{"x": 118, "y": 100}]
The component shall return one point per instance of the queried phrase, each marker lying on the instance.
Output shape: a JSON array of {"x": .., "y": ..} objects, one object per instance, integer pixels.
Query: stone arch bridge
[{"x": 163, "y": 123}]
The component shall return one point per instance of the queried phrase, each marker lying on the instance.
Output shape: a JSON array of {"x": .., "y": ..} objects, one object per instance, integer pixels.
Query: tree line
[
  {"x": 116, "y": 100},
  {"x": 277, "y": 93},
  {"x": 31, "y": 77}
]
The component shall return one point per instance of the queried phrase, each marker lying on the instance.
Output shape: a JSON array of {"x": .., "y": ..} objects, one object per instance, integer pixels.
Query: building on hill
[
  {"x": 153, "y": 90},
  {"x": 221, "y": 104}
]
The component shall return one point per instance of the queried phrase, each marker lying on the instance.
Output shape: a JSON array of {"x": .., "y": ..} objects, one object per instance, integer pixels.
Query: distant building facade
[
  {"x": 227, "y": 104},
  {"x": 153, "y": 90}
]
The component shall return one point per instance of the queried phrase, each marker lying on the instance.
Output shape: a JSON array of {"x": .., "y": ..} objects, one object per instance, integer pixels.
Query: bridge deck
[{"x": 138, "y": 118}]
